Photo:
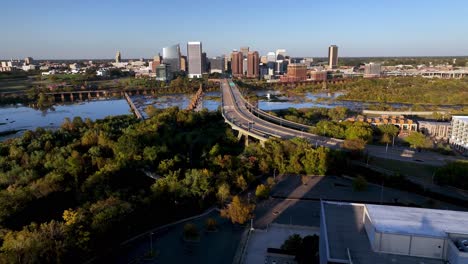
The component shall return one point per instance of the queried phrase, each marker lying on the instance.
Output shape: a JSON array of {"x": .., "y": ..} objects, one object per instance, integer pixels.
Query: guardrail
[{"x": 281, "y": 121}]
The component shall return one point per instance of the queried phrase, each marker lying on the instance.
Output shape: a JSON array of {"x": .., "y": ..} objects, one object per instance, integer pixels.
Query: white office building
[
  {"x": 372, "y": 70},
  {"x": 194, "y": 56},
  {"x": 459, "y": 135}
]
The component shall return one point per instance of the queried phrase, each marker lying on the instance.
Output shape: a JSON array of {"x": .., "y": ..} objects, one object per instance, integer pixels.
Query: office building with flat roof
[
  {"x": 194, "y": 56},
  {"x": 372, "y": 70},
  {"x": 333, "y": 57},
  {"x": 171, "y": 56},
  {"x": 163, "y": 72},
  {"x": 296, "y": 72},
  {"x": 216, "y": 64},
  {"x": 318, "y": 75},
  {"x": 237, "y": 64},
  {"x": 370, "y": 234},
  {"x": 253, "y": 62},
  {"x": 459, "y": 135}
]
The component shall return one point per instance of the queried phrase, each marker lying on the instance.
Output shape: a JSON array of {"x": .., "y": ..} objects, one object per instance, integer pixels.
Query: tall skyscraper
[
  {"x": 237, "y": 64},
  {"x": 244, "y": 51},
  {"x": 205, "y": 63},
  {"x": 253, "y": 61},
  {"x": 194, "y": 55},
  {"x": 117, "y": 57},
  {"x": 171, "y": 56},
  {"x": 333, "y": 57}
]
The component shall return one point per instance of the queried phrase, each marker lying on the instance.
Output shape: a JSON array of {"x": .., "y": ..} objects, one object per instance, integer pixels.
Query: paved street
[{"x": 235, "y": 110}]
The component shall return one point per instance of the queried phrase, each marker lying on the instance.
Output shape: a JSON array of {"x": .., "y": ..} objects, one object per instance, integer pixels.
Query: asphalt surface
[{"x": 236, "y": 110}]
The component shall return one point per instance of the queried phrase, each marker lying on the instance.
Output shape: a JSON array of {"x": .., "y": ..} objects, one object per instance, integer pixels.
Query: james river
[{"x": 23, "y": 118}]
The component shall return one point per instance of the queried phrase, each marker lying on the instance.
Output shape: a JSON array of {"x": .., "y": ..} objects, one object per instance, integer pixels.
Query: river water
[{"x": 23, "y": 118}]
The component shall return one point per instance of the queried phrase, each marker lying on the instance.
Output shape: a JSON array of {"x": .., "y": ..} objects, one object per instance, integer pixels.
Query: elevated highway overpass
[{"x": 253, "y": 122}]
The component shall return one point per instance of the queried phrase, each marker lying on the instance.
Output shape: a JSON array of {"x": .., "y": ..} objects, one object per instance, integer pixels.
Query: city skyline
[{"x": 88, "y": 30}]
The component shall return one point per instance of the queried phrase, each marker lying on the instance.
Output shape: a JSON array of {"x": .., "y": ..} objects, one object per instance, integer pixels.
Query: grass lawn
[{"x": 422, "y": 171}]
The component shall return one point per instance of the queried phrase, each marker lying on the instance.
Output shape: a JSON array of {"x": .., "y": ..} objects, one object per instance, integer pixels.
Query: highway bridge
[
  {"x": 252, "y": 122},
  {"x": 255, "y": 123}
]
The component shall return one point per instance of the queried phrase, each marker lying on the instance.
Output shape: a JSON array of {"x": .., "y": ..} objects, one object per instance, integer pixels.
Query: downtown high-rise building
[
  {"x": 216, "y": 64},
  {"x": 194, "y": 56},
  {"x": 253, "y": 62},
  {"x": 237, "y": 64},
  {"x": 171, "y": 56},
  {"x": 244, "y": 51},
  {"x": 117, "y": 57},
  {"x": 333, "y": 57}
]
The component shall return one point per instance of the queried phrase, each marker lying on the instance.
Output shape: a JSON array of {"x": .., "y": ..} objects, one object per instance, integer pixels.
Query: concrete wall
[
  {"x": 396, "y": 244},
  {"x": 370, "y": 231},
  {"x": 427, "y": 247}
]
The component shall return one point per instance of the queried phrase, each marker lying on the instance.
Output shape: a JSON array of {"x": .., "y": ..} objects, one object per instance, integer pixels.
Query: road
[{"x": 263, "y": 126}]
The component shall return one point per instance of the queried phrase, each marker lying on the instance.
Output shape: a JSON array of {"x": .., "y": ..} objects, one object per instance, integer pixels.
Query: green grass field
[{"x": 421, "y": 171}]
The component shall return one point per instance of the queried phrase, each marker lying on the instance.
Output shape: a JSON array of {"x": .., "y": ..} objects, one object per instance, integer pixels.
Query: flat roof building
[
  {"x": 216, "y": 64},
  {"x": 296, "y": 72},
  {"x": 372, "y": 70},
  {"x": 163, "y": 72},
  {"x": 194, "y": 56},
  {"x": 333, "y": 57},
  {"x": 459, "y": 135},
  {"x": 369, "y": 234}
]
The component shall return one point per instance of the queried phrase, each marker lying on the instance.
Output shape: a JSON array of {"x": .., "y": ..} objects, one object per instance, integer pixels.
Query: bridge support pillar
[
  {"x": 246, "y": 138},
  {"x": 71, "y": 97},
  {"x": 81, "y": 96},
  {"x": 63, "y": 98}
]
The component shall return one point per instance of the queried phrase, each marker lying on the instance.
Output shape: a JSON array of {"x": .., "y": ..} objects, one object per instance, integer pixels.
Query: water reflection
[
  {"x": 25, "y": 118},
  {"x": 21, "y": 118}
]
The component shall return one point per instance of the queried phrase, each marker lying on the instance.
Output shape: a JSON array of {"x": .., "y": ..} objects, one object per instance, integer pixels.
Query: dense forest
[{"x": 73, "y": 193}]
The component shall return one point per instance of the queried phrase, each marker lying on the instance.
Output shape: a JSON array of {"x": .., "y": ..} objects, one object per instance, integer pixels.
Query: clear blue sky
[{"x": 57, "y": 29}]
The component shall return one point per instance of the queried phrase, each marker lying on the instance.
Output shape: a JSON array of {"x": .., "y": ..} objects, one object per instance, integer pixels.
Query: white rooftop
[
  {"x": 417, "y": 221},
  {"x": 464, "y": 118}
]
